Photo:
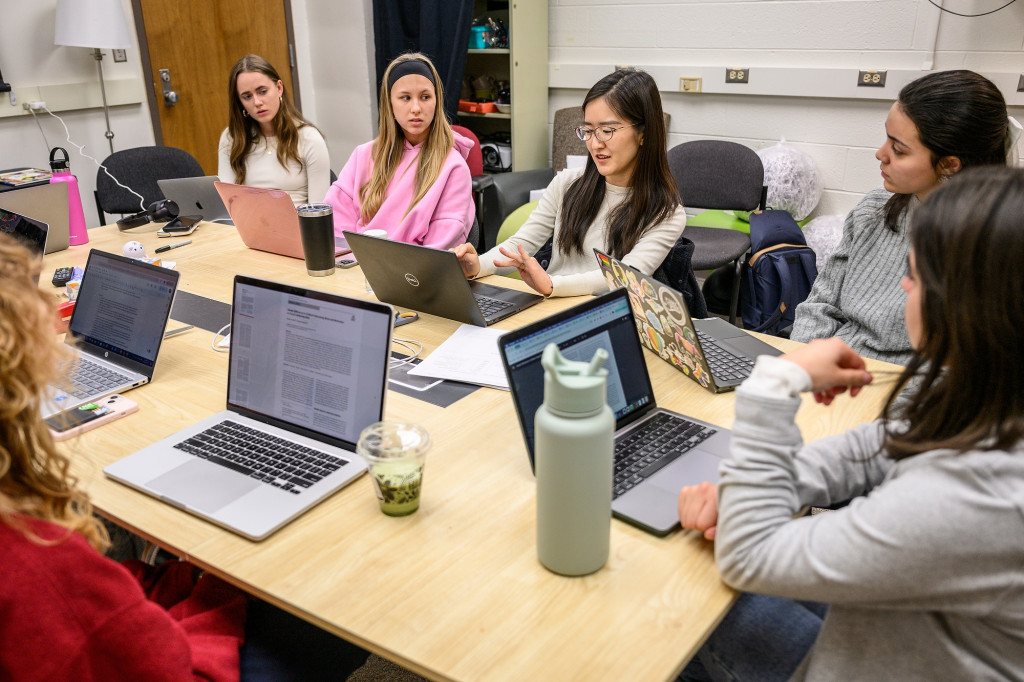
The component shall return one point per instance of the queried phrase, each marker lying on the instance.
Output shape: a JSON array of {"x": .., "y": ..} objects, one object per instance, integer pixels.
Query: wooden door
[{"x": 199, "y": 42}]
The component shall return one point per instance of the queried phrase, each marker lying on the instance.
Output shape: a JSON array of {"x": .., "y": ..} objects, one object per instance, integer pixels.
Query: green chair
[{"x": 511, "y": 225}]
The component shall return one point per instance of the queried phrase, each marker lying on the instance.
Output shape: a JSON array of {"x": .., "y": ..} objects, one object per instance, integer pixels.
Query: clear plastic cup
[{"x": 395, "y": 452}]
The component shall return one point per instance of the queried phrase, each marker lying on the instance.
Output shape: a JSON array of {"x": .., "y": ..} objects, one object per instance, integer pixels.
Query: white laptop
[
  {"x": 196, "y": 196},
  {"x": 116, "y": 329},
  {"x": 307, "y": 372}
]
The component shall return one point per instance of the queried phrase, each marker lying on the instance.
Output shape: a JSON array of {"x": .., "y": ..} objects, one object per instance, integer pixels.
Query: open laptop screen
[
  {"x": 123, "y": 306},
  {"x": 603, "y": 322},
  {"x": 28, "y": 232},
  {"x": 308, "y": 360}
]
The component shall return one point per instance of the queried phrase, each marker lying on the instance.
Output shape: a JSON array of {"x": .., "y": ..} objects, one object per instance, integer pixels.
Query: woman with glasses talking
[{"x": 624, "y": 202}]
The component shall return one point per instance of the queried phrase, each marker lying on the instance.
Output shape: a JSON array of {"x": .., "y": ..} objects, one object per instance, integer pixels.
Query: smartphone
[
  {"x": 87, "y": 417},
  {"x": 183, "y": 224},
  {"x": 346, "y": 262}
]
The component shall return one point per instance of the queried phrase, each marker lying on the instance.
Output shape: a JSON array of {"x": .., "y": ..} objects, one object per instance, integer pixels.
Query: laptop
[
  {"x": 711, "y": 352},
  {"x": 431, "y": 281},
  {"x": 116, "y": 329},
  {"x": 657, "y": 451},
  {"x": 196, "y": 196},
  {"x": 28, "y": 232},
  {"x": 266, "y": 219},
  {"x": 45, "y": 203},
  {"x": 307, "y": 372}
]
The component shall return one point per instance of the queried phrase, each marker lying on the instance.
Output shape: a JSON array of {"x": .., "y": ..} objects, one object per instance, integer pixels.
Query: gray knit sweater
[
  {"x": 923, "y": 571},
  {"x": 857, "y": 295}
]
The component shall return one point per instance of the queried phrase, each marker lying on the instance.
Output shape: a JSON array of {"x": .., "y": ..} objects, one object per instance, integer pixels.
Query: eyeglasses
[{"x": 602, "y": 134}]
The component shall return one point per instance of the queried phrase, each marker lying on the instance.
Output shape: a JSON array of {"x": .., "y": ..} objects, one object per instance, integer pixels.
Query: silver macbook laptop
[
  {"x": 266, "y": 219},
  {"x": 45, "y": 203},
  {"x": 431, "y": 281},
  {"x": 711, "y": 352},
  {"x": 657, "y": 451},
  {"x": 116, "y": 328},
  {"x": 307, "y": 372},
  {"x": 196, "y": 196}
]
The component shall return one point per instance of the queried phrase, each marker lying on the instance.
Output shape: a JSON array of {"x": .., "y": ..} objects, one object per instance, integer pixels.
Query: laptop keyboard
[
  {"x": 92, "y": 378},
  {"x": 646, "y": 449},
  {"x": 724, "y": 365},
  {"x": 267, "y": 458},
  {"x": 489, "y": 307}
]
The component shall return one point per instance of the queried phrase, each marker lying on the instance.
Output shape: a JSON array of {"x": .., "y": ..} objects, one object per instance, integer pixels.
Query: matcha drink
[{"x": 394, "y": 452}]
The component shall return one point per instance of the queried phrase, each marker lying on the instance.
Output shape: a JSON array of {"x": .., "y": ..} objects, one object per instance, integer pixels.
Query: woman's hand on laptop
[
  {"x": 528, "y": 267},
  {"x": 468, "y": 259},
  {"x": 698, "y": 508},
  {"x": 833, "y": 367}
]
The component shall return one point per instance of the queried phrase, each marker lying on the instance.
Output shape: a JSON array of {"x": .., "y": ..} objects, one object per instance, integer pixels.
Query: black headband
[{"x": 409, "y": 67}]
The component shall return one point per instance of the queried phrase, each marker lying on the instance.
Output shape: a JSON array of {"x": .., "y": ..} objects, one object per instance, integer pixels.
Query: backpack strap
[{"x": 754, "y": 257}]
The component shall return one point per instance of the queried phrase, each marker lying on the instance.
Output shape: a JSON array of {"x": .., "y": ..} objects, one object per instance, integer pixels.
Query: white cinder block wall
[{"x": 804, "y": 54}]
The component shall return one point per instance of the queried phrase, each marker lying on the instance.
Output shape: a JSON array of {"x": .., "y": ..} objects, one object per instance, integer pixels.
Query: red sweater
[{"x": 68, "y": 613}]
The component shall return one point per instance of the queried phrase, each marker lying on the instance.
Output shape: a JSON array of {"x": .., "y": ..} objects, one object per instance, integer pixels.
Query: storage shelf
[
  {"x": 496, "y": 114},
  {"x": 491, "y": 50}
]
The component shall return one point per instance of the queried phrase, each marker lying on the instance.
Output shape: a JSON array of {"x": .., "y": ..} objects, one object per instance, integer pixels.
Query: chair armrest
[
  {"x": 481, "y": 182},
  {"x": 508, "y": 192}
]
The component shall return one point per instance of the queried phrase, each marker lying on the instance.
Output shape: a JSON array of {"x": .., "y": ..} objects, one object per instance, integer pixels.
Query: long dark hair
[
  {"x": 956, "y": 113},
  {"x": 968, "y": 247},
  {"x": 653, "y": 197},
  {"x": 245, "y": 132}
]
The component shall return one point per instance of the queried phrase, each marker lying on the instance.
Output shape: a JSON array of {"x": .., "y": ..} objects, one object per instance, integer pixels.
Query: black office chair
[
  {"x": 716, "y": 174},
  {"x": 140, "y": 168}
]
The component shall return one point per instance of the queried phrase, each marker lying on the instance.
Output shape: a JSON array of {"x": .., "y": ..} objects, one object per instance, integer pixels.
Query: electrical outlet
[
  {"x": 737, "y": 75},
  {"x": 119, "y": 55},
  {"x": 34, "y": 106},
  {"x": 689, "y": 84},
  {"x": 871, "y": 79}
]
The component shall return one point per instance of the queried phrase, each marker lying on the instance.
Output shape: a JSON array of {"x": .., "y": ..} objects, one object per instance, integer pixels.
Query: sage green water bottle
[{"x": 573, "y": 446}]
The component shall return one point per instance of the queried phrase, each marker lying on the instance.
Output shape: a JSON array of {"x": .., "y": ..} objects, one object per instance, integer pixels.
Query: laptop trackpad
[
  {"x": 203, "y": 486},
  {"x": 692, "y": 468}
]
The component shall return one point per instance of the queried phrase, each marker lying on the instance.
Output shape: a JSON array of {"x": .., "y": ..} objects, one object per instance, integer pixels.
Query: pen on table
[
  {"x": 173, "y": 246},
  {"x": 179, "y": 330}
]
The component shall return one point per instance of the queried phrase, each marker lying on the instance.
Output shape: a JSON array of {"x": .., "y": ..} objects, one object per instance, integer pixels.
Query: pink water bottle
[{"x": 77, "y": 232}]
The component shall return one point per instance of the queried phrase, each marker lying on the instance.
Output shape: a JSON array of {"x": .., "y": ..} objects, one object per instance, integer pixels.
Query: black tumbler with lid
[{"x": 316, "y": 227}]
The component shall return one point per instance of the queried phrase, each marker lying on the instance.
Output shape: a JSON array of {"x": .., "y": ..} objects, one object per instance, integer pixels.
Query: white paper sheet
[{"x": 470, "y": 355}]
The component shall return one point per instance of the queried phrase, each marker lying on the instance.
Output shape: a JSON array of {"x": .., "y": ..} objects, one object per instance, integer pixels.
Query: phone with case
[{"x": 87, "y": 417}]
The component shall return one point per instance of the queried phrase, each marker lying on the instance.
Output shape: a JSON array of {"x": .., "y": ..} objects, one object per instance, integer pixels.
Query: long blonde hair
[
  {"x": 390, "y": 142},
  {"x": 245, "y": 132},
  {"x": 35, "y": 478}
]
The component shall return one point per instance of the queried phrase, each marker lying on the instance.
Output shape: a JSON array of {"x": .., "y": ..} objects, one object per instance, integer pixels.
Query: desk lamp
[{"x": 96, "y": 24}]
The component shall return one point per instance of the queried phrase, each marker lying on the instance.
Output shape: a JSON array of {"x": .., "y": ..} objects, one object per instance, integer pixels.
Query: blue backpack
[{"x": 777, "y": 275}]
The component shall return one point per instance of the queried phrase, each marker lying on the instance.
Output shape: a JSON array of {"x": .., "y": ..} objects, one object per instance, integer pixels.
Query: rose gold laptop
[{"x": 266, "y": 219}]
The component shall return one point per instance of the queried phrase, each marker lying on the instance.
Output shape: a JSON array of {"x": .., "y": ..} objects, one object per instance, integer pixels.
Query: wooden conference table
[{"x": 455, "y": 591}]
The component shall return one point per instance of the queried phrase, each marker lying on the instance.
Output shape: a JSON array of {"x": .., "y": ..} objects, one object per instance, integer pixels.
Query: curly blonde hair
[{"x": 35, "y": 479}]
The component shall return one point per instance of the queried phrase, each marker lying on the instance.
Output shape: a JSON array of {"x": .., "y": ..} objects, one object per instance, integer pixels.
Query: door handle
[{"x": 170, "y": 96}]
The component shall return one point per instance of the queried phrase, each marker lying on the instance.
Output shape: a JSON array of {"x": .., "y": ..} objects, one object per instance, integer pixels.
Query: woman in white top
[
  {"x": 624, "y": 202},
  {"x": 267, "y": 142}
]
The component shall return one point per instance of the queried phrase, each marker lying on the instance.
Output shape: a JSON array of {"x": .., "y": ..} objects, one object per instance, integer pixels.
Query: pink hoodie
[{"x": 441, "y": 219}]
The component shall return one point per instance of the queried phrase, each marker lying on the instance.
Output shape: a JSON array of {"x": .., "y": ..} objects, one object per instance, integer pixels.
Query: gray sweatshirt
[
  {"x": 857, "y": 295},
  {"x": 924, "y": 571}
]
